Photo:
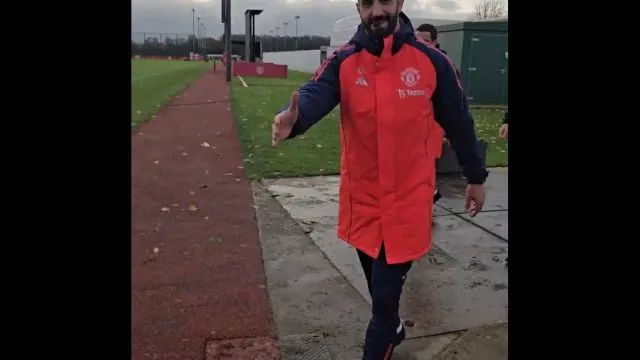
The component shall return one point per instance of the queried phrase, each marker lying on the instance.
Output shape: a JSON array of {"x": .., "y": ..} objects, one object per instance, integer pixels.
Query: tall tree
[{"x": 488, "y": 9}]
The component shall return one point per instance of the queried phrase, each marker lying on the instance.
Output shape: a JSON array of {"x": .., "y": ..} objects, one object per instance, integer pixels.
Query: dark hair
[{"x": 429, "y": 28}]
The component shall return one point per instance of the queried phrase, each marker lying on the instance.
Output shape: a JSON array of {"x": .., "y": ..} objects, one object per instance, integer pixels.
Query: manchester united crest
[{"x": 410, "y": 77}]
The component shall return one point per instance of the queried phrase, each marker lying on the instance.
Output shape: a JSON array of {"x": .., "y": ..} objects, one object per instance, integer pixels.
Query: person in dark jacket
[
  {"x": 429, "y": 33},
  {"x": 504, "y": 133}
]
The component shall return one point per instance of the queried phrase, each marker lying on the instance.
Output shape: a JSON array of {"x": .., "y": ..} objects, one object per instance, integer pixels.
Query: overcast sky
[{"x": 316, "y": 16}]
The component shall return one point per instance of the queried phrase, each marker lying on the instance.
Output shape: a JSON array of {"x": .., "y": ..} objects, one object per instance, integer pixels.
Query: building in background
[{"x": 480, "y": 50}]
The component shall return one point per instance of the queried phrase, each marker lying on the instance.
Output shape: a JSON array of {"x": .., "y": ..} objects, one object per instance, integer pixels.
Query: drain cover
[{"x": 303, "y": 347}]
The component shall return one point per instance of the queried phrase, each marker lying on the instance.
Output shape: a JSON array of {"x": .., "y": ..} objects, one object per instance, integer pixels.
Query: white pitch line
[{"x": 243, "y": 83}]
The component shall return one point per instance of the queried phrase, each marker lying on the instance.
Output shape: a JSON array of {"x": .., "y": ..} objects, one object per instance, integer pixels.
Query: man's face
[
  {"x": 379, "y": 17},
  {"x": 424, "y": 35}
]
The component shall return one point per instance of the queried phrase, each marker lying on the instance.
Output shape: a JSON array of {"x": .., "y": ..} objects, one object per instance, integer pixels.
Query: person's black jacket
[
  {"x": 442, "y": 51},
  {"x": 506, "y": 117}
]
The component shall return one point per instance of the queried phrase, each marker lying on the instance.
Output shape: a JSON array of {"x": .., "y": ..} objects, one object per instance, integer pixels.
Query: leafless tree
[{"x": 488, "y": 9}]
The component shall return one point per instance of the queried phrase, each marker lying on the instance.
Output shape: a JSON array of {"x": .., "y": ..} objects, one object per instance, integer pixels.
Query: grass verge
[{"x": 155, "y": 82}]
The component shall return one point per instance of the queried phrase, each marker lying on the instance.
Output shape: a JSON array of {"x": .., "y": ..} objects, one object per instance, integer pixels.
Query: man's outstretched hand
[
  {"x": 475, "y": 199},
  {"x": 504, "y": 131},
  {"x": 283, "y": 122}
]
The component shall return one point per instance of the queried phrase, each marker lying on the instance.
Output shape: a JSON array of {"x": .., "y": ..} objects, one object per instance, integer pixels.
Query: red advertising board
[
  {"x": 161, "y": 57},
  {"x": 246, "y": 69}
]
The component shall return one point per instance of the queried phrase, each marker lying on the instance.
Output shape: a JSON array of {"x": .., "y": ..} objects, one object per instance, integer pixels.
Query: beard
[{"x": 381, "y": 26}]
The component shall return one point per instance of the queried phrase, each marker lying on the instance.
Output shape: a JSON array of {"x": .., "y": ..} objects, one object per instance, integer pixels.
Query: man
[
  {"x": 504, "y": 129},
  {"x": 429, "y": 33},
  {"x": 504, "y": 133},
  {"x": 390, "y": 87}
]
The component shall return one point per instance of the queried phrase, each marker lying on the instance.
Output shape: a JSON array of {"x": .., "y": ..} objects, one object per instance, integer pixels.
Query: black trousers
[{"x": 385, "y": 284}]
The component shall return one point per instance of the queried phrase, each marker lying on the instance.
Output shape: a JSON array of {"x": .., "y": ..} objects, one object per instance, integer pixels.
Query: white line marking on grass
[{"x": 243, "y": 83}]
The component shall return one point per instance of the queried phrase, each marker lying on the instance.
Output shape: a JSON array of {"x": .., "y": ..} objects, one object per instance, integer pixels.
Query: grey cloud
[
  {"x": 447, "y": 5},
  {"x": 316, "y": 17}
]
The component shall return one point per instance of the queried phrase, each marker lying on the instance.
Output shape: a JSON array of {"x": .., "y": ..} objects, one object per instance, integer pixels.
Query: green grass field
[
  {"x": 155, "y": 82},
  {"x": 318, "y": 151}
]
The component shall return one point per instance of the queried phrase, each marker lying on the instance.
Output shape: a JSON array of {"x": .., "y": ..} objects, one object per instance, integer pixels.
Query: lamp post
[
  {"x": 297, "y": 18},
  {"x": 227, "y": 36},
  {"x": 271, "y": 40},
  {"x": 285, "y": 35},
  {"x": 205, "y": 40},
  {"x": 193, "y": 39}
]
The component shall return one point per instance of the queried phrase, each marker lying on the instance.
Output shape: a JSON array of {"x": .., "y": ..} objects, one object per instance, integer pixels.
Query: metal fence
[
  {"x": 164, "y": 44},
  {"x": 159, "y": 38}
]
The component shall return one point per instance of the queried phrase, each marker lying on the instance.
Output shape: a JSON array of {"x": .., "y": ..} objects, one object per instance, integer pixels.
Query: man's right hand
[
  {"x": 504, "y": 131},
  {"x": 475, "y": 199},
  {"x": 283, "y": 122}
]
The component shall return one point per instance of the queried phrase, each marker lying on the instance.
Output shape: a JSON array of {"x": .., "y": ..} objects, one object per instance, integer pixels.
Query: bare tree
[{"x": 488, "y": 9}]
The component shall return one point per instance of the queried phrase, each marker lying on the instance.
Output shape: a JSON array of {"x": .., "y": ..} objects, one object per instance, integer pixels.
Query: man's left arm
[{"x": 451, "y": 111}]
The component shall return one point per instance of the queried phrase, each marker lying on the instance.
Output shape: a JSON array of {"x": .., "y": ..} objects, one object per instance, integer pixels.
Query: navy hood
[{"x": 375, "y": 44}]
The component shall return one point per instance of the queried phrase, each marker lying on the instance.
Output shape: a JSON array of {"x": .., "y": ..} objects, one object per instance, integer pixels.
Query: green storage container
[{"x": 480, "y": 50}]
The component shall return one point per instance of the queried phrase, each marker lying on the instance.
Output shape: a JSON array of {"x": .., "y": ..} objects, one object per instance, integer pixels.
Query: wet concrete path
[{"x": 461, "y": 284}]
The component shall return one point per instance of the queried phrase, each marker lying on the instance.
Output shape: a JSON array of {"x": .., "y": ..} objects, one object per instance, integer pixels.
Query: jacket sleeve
[
  {"x": 318, "y": 96},
  {"x": 451, "y": 111},
  {"x": 506, "y": 117}
]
